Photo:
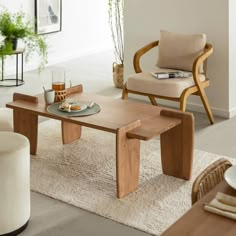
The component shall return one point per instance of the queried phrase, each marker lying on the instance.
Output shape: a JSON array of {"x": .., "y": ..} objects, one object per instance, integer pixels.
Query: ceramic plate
[
  {"x": 82, "y": 106},
  {"x": 230, "y": 176}
]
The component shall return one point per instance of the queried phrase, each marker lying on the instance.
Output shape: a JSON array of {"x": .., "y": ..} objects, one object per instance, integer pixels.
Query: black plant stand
[{"x": 16, "y": 81}]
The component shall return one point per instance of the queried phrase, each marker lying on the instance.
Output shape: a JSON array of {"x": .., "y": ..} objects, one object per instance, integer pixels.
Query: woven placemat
[{"x": 53, "y": 108}]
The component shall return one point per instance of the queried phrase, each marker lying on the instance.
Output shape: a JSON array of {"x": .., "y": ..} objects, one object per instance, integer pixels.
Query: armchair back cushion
[{"x": 178, "y": 51}]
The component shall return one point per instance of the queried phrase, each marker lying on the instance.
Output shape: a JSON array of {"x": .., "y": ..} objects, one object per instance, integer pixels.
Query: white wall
[
  {"x": 232, "y": 57},
  {"x": 145, "y": 18},
  {"x": 85, "y": 29}
]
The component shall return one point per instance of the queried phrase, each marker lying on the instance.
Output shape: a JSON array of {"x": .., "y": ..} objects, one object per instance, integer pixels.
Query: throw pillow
[{"x": 178, "y": 51}]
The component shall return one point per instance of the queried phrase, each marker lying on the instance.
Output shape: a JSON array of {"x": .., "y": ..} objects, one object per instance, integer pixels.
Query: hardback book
[{"x": 172, "y": 74}]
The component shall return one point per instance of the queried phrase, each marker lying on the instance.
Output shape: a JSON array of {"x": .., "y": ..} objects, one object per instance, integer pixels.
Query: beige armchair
[{"x": 187, "y": 56}]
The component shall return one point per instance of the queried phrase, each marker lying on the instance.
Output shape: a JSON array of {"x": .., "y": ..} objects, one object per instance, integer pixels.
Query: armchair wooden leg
[
  {"x": 206, "y": 105},
  {"x": 183, "y": 104},
  {"x": 124, "y": 92},
  {"x": 183, "y": 99},
  {"x": 153, "y": 100}
]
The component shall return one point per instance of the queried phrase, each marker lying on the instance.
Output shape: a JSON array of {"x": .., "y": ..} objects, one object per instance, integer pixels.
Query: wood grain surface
[
  {"x": 177, "y": 146},
  {"x": 127, "y": 160}
]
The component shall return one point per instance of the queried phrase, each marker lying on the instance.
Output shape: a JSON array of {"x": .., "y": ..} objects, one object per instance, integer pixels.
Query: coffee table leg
[
  {"x": 127, "y": 161},
  {"x": 177, "y": 146},
  {"x": 26, "y": 123},
  {"x": 70, "y": 132}
]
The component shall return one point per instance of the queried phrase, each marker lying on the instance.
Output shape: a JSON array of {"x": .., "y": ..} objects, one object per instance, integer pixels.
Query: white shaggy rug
[{"x": 83, "y": 174}]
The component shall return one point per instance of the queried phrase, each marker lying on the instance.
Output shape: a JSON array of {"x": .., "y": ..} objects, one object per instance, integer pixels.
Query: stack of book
[{"x": 172, "y": 74}]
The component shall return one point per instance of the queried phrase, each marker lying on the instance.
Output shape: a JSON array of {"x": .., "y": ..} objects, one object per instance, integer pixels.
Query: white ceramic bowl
[{"x": 230, "y": 176}]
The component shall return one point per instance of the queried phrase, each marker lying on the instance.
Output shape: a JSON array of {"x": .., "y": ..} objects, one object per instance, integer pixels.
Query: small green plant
[{"x": 14, "y": 26}]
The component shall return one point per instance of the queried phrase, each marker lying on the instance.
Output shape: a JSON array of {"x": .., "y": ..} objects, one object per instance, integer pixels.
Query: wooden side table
[{"x": 15, "y": 81}]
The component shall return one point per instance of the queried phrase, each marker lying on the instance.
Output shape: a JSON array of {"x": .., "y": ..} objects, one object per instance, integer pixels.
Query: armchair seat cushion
[{"x": 145, "y": 83}]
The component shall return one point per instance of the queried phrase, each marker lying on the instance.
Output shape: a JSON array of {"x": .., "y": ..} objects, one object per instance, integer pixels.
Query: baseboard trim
[
  {"x": 190, "y": 106},
  {"x": 216, "y": 111},
  {"x": 199, "y": 108},
  {"x": 232, "y": 112}
]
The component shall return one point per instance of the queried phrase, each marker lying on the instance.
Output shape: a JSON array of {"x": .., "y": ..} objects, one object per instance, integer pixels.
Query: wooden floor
[{"x": 74, "y": 221}]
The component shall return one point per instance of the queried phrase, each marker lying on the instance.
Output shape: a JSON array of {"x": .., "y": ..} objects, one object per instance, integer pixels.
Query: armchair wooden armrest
[
  {"x": 140, "y": 52},
  {"x": 199, "y": 60}
]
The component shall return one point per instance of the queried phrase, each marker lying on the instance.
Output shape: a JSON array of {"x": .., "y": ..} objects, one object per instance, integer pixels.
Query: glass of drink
[{"x": 58, "y": 79}]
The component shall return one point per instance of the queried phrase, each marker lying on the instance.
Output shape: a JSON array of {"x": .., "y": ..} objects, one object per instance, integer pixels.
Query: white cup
[{"x": 49, "y": 96}]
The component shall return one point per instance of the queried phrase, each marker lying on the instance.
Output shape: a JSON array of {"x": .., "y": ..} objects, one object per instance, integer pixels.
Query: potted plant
[
  {"x": 116, "y": 8},
  {"x": 14, "y": 26}
]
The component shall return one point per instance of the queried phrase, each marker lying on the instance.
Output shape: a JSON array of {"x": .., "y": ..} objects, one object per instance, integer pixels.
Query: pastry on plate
[{"x": 75, "y": 107}]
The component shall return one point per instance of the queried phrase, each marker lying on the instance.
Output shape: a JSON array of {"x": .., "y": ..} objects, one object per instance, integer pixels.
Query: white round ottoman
[
  {"x": 14, "y": 183},
  {"x": 6, "y": 119}
]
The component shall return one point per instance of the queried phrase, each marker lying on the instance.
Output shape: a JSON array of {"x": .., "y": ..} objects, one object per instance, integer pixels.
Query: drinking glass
[{"x": 58, "y": 79}]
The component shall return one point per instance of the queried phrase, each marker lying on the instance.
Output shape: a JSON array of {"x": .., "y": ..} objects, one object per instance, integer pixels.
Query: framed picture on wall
[{"x": 48, "y": 15}]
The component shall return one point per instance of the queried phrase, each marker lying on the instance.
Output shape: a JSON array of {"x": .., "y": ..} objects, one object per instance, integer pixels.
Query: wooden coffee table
[{"x": 129, "y": 121}]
